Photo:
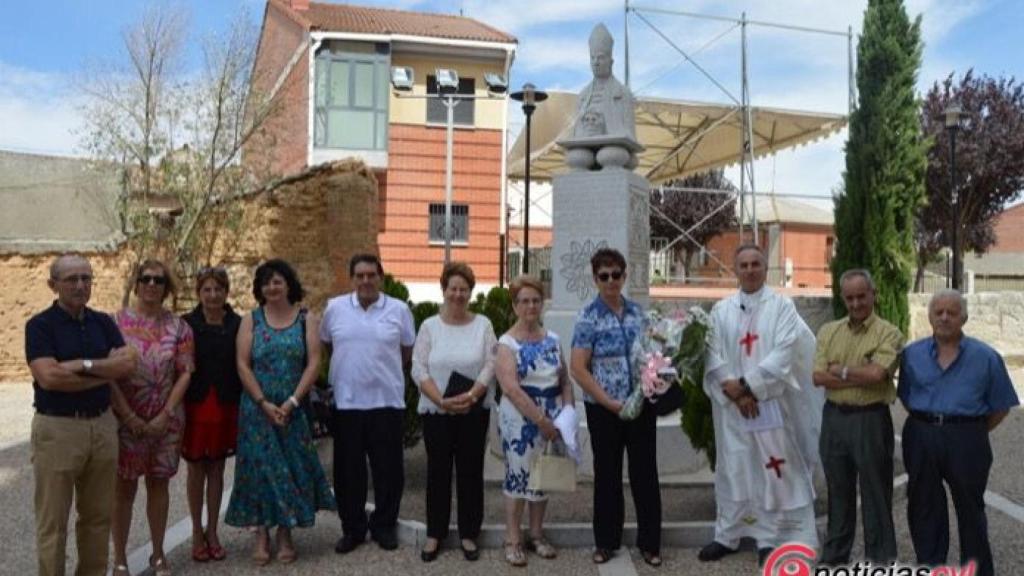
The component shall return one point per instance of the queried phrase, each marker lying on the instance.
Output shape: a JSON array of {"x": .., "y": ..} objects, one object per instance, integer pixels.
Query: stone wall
[
  {"x": 997, "y": 318},
  {"x": 315, "y": 220}
]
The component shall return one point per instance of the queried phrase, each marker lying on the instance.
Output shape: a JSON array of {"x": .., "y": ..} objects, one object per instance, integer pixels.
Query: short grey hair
[
  {"x": 949, "y": 293},
  {"x": 750, "y": 246},
  {"x": 63, "y": 260},
  {"x": 857, "y": 272}
]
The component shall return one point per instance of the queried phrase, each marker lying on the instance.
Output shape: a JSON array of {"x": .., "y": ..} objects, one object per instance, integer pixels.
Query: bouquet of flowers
[{"x": 655, "y": 359}]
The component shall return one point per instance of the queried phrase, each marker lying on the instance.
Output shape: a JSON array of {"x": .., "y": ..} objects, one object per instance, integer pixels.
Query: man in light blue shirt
[{"x": 957, "y": 390}]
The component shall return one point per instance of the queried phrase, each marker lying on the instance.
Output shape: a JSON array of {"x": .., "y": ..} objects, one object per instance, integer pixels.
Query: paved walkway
[{"x": 315, "y": 545}]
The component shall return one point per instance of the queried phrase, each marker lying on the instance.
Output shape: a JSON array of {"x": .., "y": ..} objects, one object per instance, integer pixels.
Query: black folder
[{"x": 458, "y": 384}]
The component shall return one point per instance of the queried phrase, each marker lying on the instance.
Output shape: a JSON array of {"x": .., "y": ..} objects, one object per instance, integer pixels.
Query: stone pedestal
[
  {"x": 595, "y": 209},
  {"x": 591, "y": 210}
]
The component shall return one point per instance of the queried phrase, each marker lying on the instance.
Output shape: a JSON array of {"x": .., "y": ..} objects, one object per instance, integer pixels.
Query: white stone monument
[{"x": 602, "y": 202}]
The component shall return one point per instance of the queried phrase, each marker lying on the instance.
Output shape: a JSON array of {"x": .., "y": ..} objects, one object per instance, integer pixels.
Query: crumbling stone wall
[{"x": 316, "y": 220}]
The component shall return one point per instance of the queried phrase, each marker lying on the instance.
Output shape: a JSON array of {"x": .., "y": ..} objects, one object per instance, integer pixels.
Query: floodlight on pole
[
  {"x": 496, "y": 83},
  {"x": 953, "y": 117},
  {"x": 402, "y": 78},
  {"x": 529, "y": 96}
]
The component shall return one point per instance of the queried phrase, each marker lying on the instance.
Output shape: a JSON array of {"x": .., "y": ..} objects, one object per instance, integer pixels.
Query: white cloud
[{"x": 37, "y": 110}]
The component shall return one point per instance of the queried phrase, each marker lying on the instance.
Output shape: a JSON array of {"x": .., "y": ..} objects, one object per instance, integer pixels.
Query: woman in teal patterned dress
[{"x": 278, "y": 478}]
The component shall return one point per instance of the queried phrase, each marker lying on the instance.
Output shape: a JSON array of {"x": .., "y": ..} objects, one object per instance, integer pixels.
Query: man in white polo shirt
[{"x": 369, "y": 336}]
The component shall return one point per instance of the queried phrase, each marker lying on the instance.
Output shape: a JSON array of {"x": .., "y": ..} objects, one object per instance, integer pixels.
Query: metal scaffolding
[{"x": 747, "y": 194}]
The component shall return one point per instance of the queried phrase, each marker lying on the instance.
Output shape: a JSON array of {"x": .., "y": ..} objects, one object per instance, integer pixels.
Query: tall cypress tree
[{"x": 886, "y": 158}]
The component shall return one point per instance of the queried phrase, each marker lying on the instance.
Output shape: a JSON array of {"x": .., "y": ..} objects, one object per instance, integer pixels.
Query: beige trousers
[{"x": 74, "y": 459}]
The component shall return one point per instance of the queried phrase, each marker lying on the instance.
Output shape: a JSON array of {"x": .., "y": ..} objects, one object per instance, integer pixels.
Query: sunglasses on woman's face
[
  {"x": 150, "y": 279},
  {"x": 605, "y": 276}
]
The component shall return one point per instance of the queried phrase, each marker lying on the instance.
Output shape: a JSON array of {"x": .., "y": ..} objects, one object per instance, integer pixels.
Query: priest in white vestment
[{"x": 767, "y": 414}]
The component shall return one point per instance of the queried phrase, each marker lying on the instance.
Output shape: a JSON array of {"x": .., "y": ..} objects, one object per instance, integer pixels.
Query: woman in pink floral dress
[{"x": 149, "y": 407}]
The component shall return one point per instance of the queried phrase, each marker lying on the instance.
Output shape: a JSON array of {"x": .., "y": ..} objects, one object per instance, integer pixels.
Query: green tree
[
  {"x": 886, "y": 159},
  {"x": 177, "y": 134}
]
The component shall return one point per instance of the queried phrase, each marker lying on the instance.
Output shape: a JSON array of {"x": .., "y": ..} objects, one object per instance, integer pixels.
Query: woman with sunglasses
[
  {"x": 602, "y": 343},
  {"x": 149, "y": 407},
  {"x": 534, "y": 386},
  {"x": 211, "y": 408}
]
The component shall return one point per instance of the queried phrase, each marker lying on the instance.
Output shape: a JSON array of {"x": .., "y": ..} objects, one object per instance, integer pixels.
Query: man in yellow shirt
[{"x": 855, "y": 362}]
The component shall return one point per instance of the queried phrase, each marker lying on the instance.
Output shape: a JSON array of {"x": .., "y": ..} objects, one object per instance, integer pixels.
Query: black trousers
[
  {"x": 458, "y": 439},
  {"x": 960, "y": 456},
  {"x": 375, "y": 435},
  {"x": 856, "y": 450},
  {"x": 609, "y": 436}
]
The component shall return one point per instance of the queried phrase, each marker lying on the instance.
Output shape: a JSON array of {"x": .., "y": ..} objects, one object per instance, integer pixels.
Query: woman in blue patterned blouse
[
  {"x": 535, "y": 386},
  {"x": 601, "y": 344}
]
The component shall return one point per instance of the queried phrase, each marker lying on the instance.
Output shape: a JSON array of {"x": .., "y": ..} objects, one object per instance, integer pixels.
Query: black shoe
[
  {"x": 714, "y": 552},
  {"x": 471, "y": 554},
  {"x": 762, "y": 555},
  {"x": 430, "y": 555},
  {"x": 387, "y": 540},
  {"x": 347, "y": 543}
]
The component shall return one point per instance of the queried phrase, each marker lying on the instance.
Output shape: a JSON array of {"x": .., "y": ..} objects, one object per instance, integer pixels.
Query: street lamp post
[
  {"x": 953, "y": 115},
  {"x": 529, "y": 96}
]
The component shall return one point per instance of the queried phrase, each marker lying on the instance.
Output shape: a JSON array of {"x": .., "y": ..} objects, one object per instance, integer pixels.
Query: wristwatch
[{"x": 86, "y": 365}]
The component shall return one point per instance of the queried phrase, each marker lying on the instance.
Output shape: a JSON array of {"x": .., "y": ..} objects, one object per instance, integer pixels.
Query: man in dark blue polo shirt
[
  {"x": 74, "y": 354},
  {"x": 956, "y": 390}
]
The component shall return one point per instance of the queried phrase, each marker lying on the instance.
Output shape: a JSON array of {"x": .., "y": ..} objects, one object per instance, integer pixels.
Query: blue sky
[{"x": 44, "y": 44}]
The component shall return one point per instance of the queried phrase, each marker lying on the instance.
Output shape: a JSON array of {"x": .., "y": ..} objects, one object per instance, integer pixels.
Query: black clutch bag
[
  {"x": 458, "y": 384},
  {"x": 668, "y": 402}
]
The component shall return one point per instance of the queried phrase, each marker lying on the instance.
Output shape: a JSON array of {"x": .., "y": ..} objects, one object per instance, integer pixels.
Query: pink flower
[{"x": 649, "y": 375}]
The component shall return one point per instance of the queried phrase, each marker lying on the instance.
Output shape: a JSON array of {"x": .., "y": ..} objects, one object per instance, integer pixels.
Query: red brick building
[
  {"x": 798, "y": 237},
  {"x": 1009, "y": 229},
  {"x": 330, "y": 66}
]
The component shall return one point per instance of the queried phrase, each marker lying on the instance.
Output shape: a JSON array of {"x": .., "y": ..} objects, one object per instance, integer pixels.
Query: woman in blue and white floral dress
[{"x": 535, "y": 386}]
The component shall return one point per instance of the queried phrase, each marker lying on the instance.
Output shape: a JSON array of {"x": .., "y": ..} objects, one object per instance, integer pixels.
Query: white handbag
[{"x": 552, "y": 472}]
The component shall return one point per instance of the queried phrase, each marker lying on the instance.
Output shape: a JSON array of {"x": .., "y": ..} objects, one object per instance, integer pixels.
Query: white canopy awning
[{"x": 680, "y": 138}]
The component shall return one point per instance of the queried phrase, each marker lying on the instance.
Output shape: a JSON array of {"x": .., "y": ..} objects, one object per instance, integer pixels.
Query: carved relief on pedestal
[
  {"x": 639, "y": 239},
  {"x": 575, "y": 267}
]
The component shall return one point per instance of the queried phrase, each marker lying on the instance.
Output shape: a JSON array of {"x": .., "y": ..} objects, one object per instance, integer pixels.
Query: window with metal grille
[{"x": 460, "y": 223}]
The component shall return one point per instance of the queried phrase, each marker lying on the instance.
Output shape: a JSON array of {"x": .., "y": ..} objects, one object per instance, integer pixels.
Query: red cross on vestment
[
  {"x": 776, "y": 464},
  {"x": 748, "y": 341}
]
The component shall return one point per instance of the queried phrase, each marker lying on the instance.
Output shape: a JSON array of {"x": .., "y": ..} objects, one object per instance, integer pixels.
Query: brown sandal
[
  {"x": 541, "y": 547},
  {"x": 261, "y": 555},
  {"x": 514, "y": 554},
  {"x": 651, "y": 558}
]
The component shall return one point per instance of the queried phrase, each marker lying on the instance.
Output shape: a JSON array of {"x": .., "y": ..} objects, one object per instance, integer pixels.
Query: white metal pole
[{"x": 450, "y": 104}]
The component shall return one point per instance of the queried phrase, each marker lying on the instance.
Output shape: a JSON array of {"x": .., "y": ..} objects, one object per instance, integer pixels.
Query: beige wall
[
  {"x": 316, "y": 223},
  {"x": 489, "y": 114},
  {"x": 996, "y": 318}
]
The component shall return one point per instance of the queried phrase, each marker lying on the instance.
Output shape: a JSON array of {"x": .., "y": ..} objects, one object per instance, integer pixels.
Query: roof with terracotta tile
[{"x": 365, "y": 20}]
